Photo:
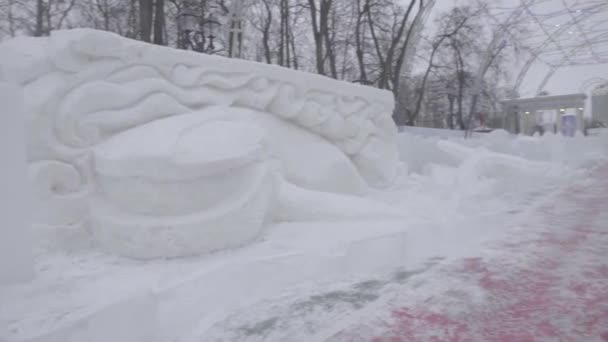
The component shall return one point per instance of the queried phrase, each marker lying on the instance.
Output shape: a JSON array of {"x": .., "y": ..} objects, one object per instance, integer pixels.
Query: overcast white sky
[{"x": 565, "y": 81}]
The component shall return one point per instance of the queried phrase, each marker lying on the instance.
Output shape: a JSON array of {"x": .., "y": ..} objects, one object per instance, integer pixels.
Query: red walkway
[{"x": 548, "y": 282}]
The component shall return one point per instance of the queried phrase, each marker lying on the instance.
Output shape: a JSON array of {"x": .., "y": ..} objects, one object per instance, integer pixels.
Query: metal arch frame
[
  {"x": 581, "y": 31},
  {"x": 501, "y": 35},
  {"x": 562, "y": 64},
  {"x": 542, "y": 27},
  {"x": 539, "y": 49},
  {"x": 566, "y": 57},
  {"x": 591, "y": 82}
]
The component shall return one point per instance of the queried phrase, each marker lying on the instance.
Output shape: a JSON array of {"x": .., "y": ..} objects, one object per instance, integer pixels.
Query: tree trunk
[
  {"x": 39, "y": 31},
  {"x": 461, "y": 77},
  {"x": 102, "y": 5},
  {"x": 287, "y": 29},
  {"x": 146, "y": 11},
  {"x": 292, "y": 43},
  {"x": 329, "y": 41},
  {"x": 375, "y": 40},
  {"x": 404, "y": 47},
  {"x": 11, "y": 19},
  {"x": 132, "y": 26},
  {"x": 159, "y": 22},
  {"x": 412, "y": 119},
  {"x": 266, "y": 32},
  {"x": 461, "y": 80},
  {"x": 64, "y": 15},
  {"x": 387, "y": 72},
  {"x": 451, "y": 110},
  {"x": 318, "y": 36},
  {"x": 359, "y": 37}
]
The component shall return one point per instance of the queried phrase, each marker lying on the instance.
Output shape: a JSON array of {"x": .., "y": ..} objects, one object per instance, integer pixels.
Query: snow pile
[
  {"x": 494, "y": 169},
  {"x": 553, "y": 148},
  {"x": 418, "y": 153},
  {"x": 458, "y": 195}
]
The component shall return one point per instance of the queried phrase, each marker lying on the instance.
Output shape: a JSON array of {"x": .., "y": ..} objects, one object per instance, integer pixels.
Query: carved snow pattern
[
  {"x": 547, "y": 283},
  {"x": 86, "y": 86}
]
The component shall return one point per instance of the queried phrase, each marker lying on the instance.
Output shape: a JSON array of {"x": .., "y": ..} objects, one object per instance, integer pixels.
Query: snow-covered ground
[
  {"x": 304, "y": 281},
  {"x": 244, "y": 201}
]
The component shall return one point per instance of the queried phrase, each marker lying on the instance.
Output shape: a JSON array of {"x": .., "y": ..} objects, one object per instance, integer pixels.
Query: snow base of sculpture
[
  {"x": 163, "y": 193},
  {"x": 168, "y": 153},
  {"x": 145, "y": 237},
  {"x": 16, "y": 263}
]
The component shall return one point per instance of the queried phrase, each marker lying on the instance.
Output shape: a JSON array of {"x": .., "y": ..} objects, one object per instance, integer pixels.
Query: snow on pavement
[
  {"x": 341, "y": 281},
  {"x": 544, "y": 279},
  {"x": 547, "y": 282}
]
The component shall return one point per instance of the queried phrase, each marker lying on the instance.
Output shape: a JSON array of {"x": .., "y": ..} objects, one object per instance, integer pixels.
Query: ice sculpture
[{"x": 170, "y": 153}]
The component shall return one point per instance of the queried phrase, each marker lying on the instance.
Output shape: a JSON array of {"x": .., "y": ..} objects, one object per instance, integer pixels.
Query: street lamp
[
  {"x": 197, "y": 32},
  {"x": 187, "y": 22},
  {"x": 211, "y": 24}
]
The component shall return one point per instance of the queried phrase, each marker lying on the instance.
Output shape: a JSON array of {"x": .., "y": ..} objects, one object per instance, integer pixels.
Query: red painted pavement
[{"x": 547, "y": 282}]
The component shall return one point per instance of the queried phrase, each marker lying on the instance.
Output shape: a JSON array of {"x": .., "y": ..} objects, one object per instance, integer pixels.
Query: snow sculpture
[
  {"x": 169, "y": 153},
  {"x": 15, "y": 247}
]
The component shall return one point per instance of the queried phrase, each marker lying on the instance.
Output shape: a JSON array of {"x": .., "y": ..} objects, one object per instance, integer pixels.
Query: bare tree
[
  {"x": 41, "y": 8},
  {"x": 266, "y": 31},
  {"x": 146, "y": 11},
  {"x": 319, "y": 23},
  {"x": 453, "y": 23},
  {"x": 362, "y": 9},
  {"x": 159, "y": 22}
]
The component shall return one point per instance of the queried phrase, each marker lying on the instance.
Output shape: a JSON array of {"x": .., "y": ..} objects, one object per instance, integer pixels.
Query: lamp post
[
  {"x": 235, "y": 29},
  {"x": 211, "y": 24},
  {"x": 197, "y": 32}
]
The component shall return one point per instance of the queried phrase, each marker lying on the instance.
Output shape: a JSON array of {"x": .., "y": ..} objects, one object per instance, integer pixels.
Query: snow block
[{"x": 16, "y": 263}]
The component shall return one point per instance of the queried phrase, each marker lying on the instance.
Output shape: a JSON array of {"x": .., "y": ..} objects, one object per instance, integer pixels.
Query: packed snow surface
[
  {"x": 250, "y": 186},
  {"x": 457, "y": 196}
]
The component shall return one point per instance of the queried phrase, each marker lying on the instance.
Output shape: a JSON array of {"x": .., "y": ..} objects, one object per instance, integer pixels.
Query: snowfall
[{"x": 423, "y": 236}]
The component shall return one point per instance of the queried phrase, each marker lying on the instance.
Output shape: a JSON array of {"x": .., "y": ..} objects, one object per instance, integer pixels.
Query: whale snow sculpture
[{"x": 167, "y": 153}]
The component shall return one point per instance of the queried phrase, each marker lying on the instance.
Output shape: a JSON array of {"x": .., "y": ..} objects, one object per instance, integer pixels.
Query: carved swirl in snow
[{"x": 88, "y": 87}]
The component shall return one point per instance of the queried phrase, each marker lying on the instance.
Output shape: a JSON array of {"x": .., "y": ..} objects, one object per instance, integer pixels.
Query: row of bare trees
[{"x": 366, "y": 41}]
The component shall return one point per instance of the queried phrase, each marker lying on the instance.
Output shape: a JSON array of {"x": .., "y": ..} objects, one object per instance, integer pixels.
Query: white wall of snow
[
  {"x": 94, "y": 99},
  {"x": 16, "y": 262}
]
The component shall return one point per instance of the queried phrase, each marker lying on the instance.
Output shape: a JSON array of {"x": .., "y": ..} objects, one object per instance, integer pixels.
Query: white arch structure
[
  {"x": 576, "y": 15},
  {"x": 573, "y": 33}
]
